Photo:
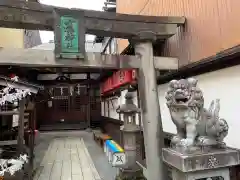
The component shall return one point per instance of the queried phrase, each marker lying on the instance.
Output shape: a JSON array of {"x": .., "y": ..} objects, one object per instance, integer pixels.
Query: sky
[{"x": 46, "y": 36}]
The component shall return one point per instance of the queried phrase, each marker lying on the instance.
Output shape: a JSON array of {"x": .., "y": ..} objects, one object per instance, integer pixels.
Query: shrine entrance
[
  {"x": 70, "y": 27},
  {"x": 68, "y": 107}
]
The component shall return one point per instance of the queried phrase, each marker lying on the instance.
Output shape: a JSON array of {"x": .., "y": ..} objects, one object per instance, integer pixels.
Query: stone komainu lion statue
[{"x": 195, "y": 124}]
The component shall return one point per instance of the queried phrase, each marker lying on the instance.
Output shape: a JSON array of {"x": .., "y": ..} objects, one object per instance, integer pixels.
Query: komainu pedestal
[
  {"x": 204, "y": 164},
  {"x": 197, "y": 151}
]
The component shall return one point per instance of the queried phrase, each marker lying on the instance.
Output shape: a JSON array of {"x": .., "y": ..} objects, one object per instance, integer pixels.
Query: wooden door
[{"x": 69, "y": 105}]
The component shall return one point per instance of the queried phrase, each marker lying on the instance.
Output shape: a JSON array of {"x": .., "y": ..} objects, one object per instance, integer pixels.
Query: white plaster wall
[
  {"x": 102, "y": 108},
  {"x": 223, "y": 84},
  {"x": 113, "y": 105},
  {"x": 114, "y": 102}
]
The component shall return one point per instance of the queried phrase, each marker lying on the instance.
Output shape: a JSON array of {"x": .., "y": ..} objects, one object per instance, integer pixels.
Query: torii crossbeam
[
  {"x": 30, "y": 15},
  {"x": 141, "y": 30},
  {"x": 46, "y": 59}
]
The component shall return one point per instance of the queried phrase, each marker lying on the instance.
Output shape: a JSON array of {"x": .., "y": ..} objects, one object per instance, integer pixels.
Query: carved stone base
[
  {"x": 201, "y": 159},
  {"x": 201, "y": 164},
  {"x": 219, "y": 174}
]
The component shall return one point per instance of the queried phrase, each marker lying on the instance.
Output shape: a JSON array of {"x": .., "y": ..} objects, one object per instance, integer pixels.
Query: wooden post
[
  {"x": 139, "y": 106},
  {"x": 108, "y": 108},
  {"x": 31, "y": 141},
  {"x": 104, "y": 107},
  {"x": 89, "y": 102},
  {"x": 21, "y": 126}
]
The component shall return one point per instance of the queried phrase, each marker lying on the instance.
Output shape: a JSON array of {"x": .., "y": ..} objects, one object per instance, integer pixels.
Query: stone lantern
[{"x": 130, "y": 131}]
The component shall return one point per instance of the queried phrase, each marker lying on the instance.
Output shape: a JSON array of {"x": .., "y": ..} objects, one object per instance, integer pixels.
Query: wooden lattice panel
[
  {"x": 140, "y": 144},
  {"x": 60, "y": 97},
  {"x": 61, "y": 91},
  {"x": 72, "y": 103},
  {"x": 6, "y": 107},
  {"x": 61, "y": 105},
  {"x": 83, "y": 109},
  {"x": 77, "y": 103}
]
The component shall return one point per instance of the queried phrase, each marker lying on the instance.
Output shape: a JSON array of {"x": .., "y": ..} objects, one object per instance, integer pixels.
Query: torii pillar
[{"x": 150, "y": 107}]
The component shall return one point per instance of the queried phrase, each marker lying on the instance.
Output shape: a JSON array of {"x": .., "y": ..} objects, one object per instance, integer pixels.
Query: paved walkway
[{"x": 67, "y": 158}]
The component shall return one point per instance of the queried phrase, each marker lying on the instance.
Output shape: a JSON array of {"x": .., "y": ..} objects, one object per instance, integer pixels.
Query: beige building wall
[
  {"x": 211, "y": 25},
  {"x": 11, "y": 38}
]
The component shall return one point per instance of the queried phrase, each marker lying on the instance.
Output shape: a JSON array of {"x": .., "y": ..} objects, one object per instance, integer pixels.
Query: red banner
[{"x": 118, "y": 79}]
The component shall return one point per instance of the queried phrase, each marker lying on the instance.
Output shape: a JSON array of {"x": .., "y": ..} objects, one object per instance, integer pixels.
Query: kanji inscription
[{"x": 69, "y": 35}]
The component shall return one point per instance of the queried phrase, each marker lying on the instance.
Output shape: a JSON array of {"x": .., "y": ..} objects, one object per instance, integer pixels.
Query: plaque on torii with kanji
[{"x": 69, "y": 34}]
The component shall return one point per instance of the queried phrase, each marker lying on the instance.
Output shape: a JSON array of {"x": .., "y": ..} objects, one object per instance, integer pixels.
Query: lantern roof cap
[{"x": 129, "y": 107}]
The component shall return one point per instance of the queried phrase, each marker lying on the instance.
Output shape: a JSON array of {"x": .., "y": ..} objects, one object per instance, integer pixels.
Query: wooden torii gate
[{"x": 140, "y": 30}]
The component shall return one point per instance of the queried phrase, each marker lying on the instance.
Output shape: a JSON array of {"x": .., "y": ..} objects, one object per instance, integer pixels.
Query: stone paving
[{"x": 68, "y": 158}]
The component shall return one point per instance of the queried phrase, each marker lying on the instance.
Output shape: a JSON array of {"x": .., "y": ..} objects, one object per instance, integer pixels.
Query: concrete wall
[
  {"x": 31, "y": 38},
  {"x": 223, "y": 84},
  {"x": 11, "y": 38},
  {"x": 19, "y": 38}
]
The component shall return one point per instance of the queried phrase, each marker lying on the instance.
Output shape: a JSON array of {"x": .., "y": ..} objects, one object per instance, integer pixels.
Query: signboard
[
  {"x": 115, "y": 154},
  {"x": 118, "y": 159},
  {"x": 69, "y": 33},
  {"x": 119, "y": 78}
]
